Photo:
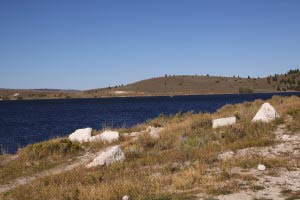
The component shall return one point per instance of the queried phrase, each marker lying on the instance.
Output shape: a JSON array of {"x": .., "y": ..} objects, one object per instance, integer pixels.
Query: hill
[
  {"x": 172, "y": 85},
  {"x": 191, "y": 85}
]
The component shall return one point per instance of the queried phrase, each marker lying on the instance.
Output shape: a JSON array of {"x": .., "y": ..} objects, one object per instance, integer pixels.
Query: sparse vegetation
[
  {"x": 50, "y": 149},
  {"x": 182, "y": 162},
  {"x": 38, "y": 157},
  {"x": 245, "y": 90}
]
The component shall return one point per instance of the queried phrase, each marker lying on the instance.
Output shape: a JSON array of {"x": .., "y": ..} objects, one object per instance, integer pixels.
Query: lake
[{"x": 30, "y": 121}]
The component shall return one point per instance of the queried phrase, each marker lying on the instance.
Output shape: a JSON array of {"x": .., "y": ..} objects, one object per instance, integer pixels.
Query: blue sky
[{"x": 96, "y": 43}]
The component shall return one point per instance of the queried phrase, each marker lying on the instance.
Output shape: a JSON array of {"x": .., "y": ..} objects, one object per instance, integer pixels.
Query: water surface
[{"x": 30, "y": 121}]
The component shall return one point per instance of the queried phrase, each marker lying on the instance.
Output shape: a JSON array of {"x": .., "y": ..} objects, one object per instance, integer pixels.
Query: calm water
[{"x": 24, "y": 122}]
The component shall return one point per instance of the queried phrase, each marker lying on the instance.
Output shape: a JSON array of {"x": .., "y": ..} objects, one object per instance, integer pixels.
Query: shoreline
[
  {"x": 149, "y": 97},
  {"x": 155, "y": 95},
  {"x": 66, "y": 163}
]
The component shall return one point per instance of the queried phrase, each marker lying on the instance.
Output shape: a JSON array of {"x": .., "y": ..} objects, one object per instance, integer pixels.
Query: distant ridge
[
  {"x": 195, "y": 84},
  {"x": 42, "y": 89},
  {"x": 171, "y": 86}
]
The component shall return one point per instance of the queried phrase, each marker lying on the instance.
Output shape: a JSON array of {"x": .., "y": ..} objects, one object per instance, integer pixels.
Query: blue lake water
[{"x": 30, "y": 121}]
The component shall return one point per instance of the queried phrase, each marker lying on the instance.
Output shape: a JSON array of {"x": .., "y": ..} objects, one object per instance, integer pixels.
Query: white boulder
[
  {"x": 106, "y": 136},
  {"x": 108, "y": 156},
  {"x": 261, "y": 167},
  {"x": 81, "y": 135},
  {"x": 266, "y": 113},
  {"x": 223, "y": 122}
]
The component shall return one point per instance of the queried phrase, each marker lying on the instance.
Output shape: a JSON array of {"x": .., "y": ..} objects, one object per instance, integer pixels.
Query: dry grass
[
  {"x": 185, "y": 157},
  {"x": 38, "y": 157},
  {"x": 251, "y": 161}
]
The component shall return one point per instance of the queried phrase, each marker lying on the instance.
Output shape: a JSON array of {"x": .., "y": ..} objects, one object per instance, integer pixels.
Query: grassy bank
[{"x": 182, "y": 162}]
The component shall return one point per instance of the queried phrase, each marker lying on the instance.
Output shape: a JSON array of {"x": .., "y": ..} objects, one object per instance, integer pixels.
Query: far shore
[{"x": 153, "y": 95}]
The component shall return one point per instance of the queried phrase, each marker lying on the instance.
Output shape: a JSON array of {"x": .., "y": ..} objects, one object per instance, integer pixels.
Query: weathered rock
[
  {"x": 108, "y": 156},
  {"x": 223, "y": 122},
  {"x": 106, "y": 136},
  {"x": 154, "y": 131},
  {"x": 81, "y": 135},
  {"x": 261, "y": 167},
  {"x": 266, "y": 113}
]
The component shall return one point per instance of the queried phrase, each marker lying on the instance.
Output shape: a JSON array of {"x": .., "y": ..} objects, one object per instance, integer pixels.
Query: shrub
[
  {"x": 58, "y": 147},
  {"x": 146, "y": 141},
  {"x": 245, "y": 90}
]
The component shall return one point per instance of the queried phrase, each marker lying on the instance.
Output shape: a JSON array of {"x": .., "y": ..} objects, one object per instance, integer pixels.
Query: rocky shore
[{"x": 243, "y": 151}]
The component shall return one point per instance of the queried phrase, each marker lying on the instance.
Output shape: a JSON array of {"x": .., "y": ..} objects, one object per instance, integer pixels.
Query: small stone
[
  {"x": 261, "y": 167},
  {"x": 126, "y": 197}
]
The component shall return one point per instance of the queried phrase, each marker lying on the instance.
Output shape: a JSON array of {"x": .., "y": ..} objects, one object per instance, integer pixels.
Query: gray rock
[
  {"x": 223, "y": 122},
  {"x": 108, "y": 156}
]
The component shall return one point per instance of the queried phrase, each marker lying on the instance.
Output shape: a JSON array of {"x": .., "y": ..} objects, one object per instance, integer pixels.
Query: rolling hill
[
  {"x": 172, "y": 85},
  {"x": 191, "y": 85}
]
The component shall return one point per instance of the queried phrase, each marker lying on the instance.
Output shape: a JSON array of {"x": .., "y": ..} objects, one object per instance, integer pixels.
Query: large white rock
[
  {"x": 106, "y": 136},
  {"x": 223, "y": 122},
  {"x": 81, "y": 135},
  {"x": 108, "y": 156},
  {"x": 266, "y": 113}
]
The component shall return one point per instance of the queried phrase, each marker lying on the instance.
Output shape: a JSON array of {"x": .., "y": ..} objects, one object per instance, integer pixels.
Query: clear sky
[{"x": 85, "y": 44}]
